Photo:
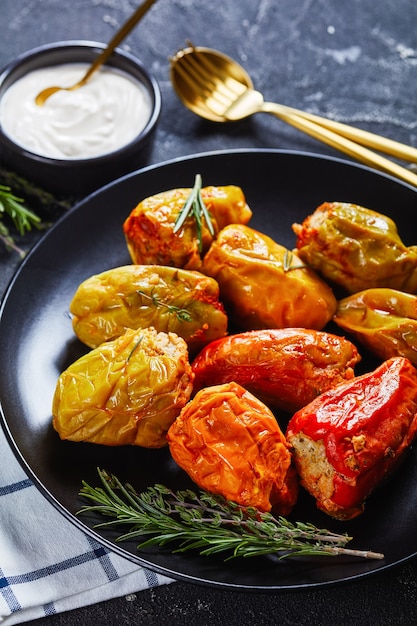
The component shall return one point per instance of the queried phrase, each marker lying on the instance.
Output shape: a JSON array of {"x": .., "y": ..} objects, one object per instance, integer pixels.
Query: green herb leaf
[
  {"x": 207, "y": 523},
  {"x": 183, "y": 315},
  {"x": 195, "y": 208},
  {"x": 288, "y": 262},
  {"x": 23, "y": 219}
]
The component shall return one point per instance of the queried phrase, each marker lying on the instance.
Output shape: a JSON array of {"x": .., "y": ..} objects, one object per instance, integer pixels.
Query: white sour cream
[{"x": 108, "y": 112}]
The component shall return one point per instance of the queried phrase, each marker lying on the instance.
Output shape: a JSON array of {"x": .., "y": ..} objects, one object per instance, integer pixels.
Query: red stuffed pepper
[{"x": 349, "y": 438}]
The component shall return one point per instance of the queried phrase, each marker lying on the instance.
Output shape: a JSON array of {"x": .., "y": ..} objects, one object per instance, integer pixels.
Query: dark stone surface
[{"x": 353, "y": 61}]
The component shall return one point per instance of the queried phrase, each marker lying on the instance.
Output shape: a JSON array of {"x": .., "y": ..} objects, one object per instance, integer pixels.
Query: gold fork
[{"x": 215, "y": 87}]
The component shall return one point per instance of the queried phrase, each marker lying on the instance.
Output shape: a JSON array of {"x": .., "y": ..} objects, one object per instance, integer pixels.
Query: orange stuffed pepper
[
  {"x": 286, "y": 367},
  {"x": 230, "y": 444},
  {"x": 265, "y": 285}
]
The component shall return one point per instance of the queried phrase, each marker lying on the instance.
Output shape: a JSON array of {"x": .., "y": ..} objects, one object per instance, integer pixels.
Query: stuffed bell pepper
[
  {"x": 349, "y": 438},
  {"x": 138, "y": 296},
  {"x": 286, "y": 368},
  {"x": 150, "y": 229},
  {"x": 356, "y": 248},
  {"x": 126, "y": 391},
  {"x": 264, "y": 285},
  {"x": 230, "y": 443},
  {"x": 383, "y": 320}
]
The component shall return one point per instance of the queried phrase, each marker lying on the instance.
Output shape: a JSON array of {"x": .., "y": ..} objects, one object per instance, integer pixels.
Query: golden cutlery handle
[
  {"x": 364, "y": 137},
  {"x": 341, "y": 143},
  {"x": 118, "y": 37}
]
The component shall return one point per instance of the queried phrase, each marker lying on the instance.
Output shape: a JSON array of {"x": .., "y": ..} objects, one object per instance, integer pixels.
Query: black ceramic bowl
[{"x": 76, "y": 177}]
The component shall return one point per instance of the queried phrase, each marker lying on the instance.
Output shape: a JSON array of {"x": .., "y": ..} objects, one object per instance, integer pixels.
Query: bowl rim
[{"x": 146, "y": 77}]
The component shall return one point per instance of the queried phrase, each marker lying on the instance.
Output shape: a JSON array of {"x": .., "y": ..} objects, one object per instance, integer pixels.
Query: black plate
[{"x": 37, "y": 343}]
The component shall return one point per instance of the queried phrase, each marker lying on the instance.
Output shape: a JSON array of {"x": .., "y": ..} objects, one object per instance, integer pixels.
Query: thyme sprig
[
  {"x": 207, "y": 523},
  {"x": 183, "y": 315},
  {"x": 195, "y": 208},
  {"x": 23, "y": 219}
]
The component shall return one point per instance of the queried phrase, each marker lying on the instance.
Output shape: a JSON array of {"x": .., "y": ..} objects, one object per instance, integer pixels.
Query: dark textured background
[{"x": 354, "y": 61}]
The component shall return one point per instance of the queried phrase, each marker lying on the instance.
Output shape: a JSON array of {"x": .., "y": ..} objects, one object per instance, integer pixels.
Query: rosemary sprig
[
  {"x": 135, "y": 347},
  {"x": 288, "y": 262},
  {"x": 43, "y": 202},
  {"x": 23, "y": 219},
  {"x": 183, "y": 315},
  {"x": 194, "y": 207},
  {"x": 208, "y": 523}
]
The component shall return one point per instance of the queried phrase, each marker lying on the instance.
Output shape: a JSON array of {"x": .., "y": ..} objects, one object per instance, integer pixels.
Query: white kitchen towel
[{"x": 47, "y": 564}]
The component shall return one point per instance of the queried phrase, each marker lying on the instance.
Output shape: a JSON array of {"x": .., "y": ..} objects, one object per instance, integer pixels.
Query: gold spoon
[
  {"x": 42, "y": 97},
  {"x": 215, "y": 87}
]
